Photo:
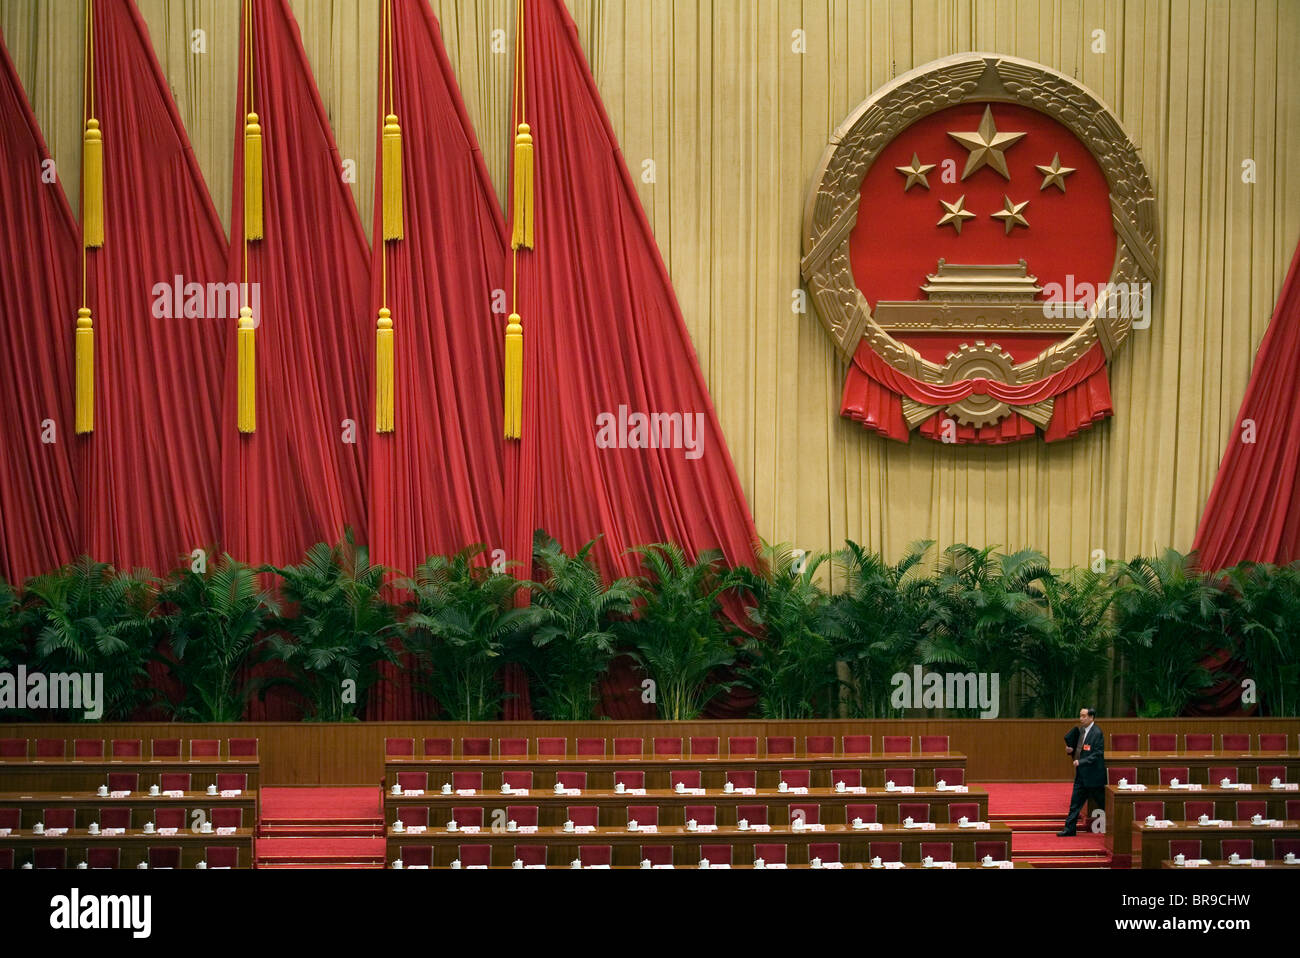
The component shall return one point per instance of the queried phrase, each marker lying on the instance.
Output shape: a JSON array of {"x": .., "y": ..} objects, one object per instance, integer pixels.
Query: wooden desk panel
[
  {"x": 1268, "y": 863},
  {"x": 72, "y": 775},
  {"x": 846, "y": 867},
  {"x": 141, "y": 804},
  {"x": 134, "y": 844},
  {"x": 1154, "y": 842},
  {"x": 1198, "y": 764}
]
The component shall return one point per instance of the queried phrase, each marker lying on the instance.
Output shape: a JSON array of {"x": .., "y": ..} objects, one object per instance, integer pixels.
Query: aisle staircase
[
  {"x": 1035, "y": 811},
  {"x": 320, "y": 827}
]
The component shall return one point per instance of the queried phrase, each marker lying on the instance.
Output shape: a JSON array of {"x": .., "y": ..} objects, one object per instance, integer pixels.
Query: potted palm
[
  {"x": 1066, "y": 656},
  {"x": 1265, "y": 619}
]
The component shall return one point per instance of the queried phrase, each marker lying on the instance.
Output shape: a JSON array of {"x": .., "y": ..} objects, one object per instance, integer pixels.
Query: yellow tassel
[
  {"x": 522, "y": 235},
  {"x": 392, "y": 178},
  {"x": 252, "y": 178},
  {"x": 514, "y": 395},
  {"x": 247, "y": 371},
  {"x": 384, "y": 372},
  {"x": 92, "y": 185},
  {"x": 85, "y": 371}
]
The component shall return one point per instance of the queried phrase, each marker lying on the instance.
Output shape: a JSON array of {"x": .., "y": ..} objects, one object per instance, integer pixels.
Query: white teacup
[
  {"x": 27, "y": 865},
  {"x": 728, "y": 787},
  {"x": 399, "y": 826},
  {"x": 1276, "y": 782},
  {"x": 82, "y": 865},
  {"x": 154, "y": 790},
  {"x": 1225, "y": 782},
  {"x": 201, "y": 865},
  {"x": 143, "y": 865},
  {"x": 1203, "y": 820},
  {"x": 840, "y": 786},
  {"x": 397, "y": 863},
  {"x": 1234, "y": 858},
  {"x": 148, "y": 827},
  {"x": 517, "y": 863},
  {"x": 446, "y": 788},
  {"x": 927, "y": 861},
  {"x": 93, "y": 828},
  {"x": 692, "y": 825},
  {"x": 679, "y": 787},
  {"x": 759, "y": 863},
  {"x": 512, "y": 826},
  {"x": 559, "y": 788},
  {"x": 1290, "y": 858},
  {"x": 909, "y": 821},
  {"x": 857, "y": 823},
  {"x": 620, "y": 787},
  {"x": 453, "y": 825},
  {"x": 782, "y": 786},
  {"x": 1123, "y": 782},
  {"x": 889, "y": 786},
  {"x": 38, "y": 828},
  {"x": 1151, "y": 819},
  {"x": 876, "y": 862},
  {"x": 1256, "y": 818},
  {"x": 102, "y": 791},
  {"x": 941, "y": 785},
  {"x": 633, "y": 824},
  {"x": 704, "y": 863},
  {"x": 1180, "y": 858},
  {"x": 743, "y": 824},
  {"x": 645, "y": 863},
  {"x": 212, "y": 789},
  {"x": 963, "y": 820},
  {"x": 987, "y": 860},
  {"x": 505, "y": 788},
  {"x": 569, "y": 826},
  {"x": 797, "y": 825},
  {"x": 456, "y": 863},
  {"x": 815, "y": 863},
  {"x": 397, "y": 789},
  {"x": 206, "y": 828},
  {"x": 1173, "y": 782},
  {"x": 576, "y": 863}
]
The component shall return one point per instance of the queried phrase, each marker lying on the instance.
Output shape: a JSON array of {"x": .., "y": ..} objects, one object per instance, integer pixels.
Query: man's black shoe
[{"x": 1066, "y": 834}]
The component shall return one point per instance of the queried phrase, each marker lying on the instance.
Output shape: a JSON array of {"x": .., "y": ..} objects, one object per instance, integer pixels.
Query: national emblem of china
[{"x": 978, "y": 241}]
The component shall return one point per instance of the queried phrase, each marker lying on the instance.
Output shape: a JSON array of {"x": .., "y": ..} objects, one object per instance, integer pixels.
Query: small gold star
[
  {"x": 915, "y": 173},
  {"x": 986, "y": 145},
  {"x": 1011, "y": 215},
  {"x": 956, "y": 215},
  {"x": 1054, "y": 174}
]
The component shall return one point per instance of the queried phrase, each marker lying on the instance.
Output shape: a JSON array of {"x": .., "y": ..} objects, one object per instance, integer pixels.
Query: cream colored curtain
[{"x": 734, "y": 121}]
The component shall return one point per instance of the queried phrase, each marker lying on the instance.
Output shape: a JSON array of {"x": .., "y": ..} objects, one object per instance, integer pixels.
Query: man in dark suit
[{"x": 1087, "y": 746}]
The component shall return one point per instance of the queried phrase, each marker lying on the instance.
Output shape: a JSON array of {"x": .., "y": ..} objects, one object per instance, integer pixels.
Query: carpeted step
[
  {"x": 319, "y": 850},
  {"x": 371, "y": 830},
  {"x": 332, "y": 865}
]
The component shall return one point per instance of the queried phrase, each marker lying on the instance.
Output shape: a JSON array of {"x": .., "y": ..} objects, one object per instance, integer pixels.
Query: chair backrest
[
  {"x": 1170, "y": 772},
  {"x": 172, "y": 781},
  {"x": 11, "y": 818},
  {"x": 959, "y": 810},
  {"x": 796, "y": 777},
  {"x": 1191, "y": 847},
  {"x": 232, "y": 780},
  {"x": 1245, "y": 847},
  {"x": 886, "y": 851},
  {"x": 583, "y": 814},
  {"x": 851, "y": 777},
  {"x": 118, "y": 816},
  {"x": 512, "y": 746},
  {"x": 1125, "y": 742},
  {"x": 169, "y": 817},
  {"x": 531, "y": 854},
  {"x": 811, "y": 814},
  {"x": 241, "y": 748},
  {"x": 87, "y": 748},
  {"x": 1194, "y": 810},
  {"x": 1246, "y": 809},
  {"x": 124, "y": 781},
  {"x": 743, "y": 778},
  {"x": 13, "y": 748},
  {"x": 1198, "y": 742},
  {"x": 772, "y": 853},
  {"x": 416, "y": 855},
  {"x": 689, "y": 777},
  {"x": 856, "y": 744},
  {"x": 1128, "y": 773},
  {"x": 50, "y": 858},
  {"x": 59, "y": 817},
  {"x": 643, "y": 814},
  {"x": 205, "y": 748},
  {"x": 1142, "y": 809},
  {"x": 1272, "y": 742},
  {"x": 399, "y": 746},
  {"x": 1281, "y": 846},
  {"x": 572, "y": 779},
  {"x": 939, "y": 851},
  {"x": 1236, "y": 742},
  {"x": 901, "y": 776},
  {"x": 950, "y": 776},
  {"x": 6, "y": 859},
  {"x": 227, "y": 818},
  {"x": 471, "y": 815},
  {"x": 414, "y": 815},
  {"x": 866, "y": 812},
  {"x": 517, "y": 778},
  {"x": 933, "y": 743},
  {"x": 897, "y": 744},
  {"x": 165, "y": 748},
  {"x": 819, "y": 745},
  {"x": 102, "y": 857},
  {"x": 916, "y": 811},
  {"x": 704, "y": 745},
  {"x": 702, "y": 814},
  {"x": 552, "y": 746},
  {"x": 780, "y": 745},
  {"x": 826, "y": 851},
  {"x": 126, "y": 748},
  {"x": 591, "y": 855},
  {"x": 1292, "y": 809},
  {"x": 413, "y": 781},
  {"x": 667, "y": 746},
  {"x": 437, "y": 747},
  {"x": 630, "y": 778},
  {"x": 742, "y": 745},
  {"x": 476, "y": 747},
  {"x": 1264, "y": 774},
  {"x": 472, "y": 780},
  {"x": 1162, "y": 742},
  {"x": 227, "y": 856},
  {"x": 716, "y": 854},
  {"x": 996, "y": 850},
  {"x": 1219, "y": 772},
  {"x": 167, "y": 856},
  {"x": 51, "y": 748},
  {"x": 474, "y": 855},
  {"x": 591, "y": 746},
  {"x": 657, "y": 854},
  {"x": 629, "y": 746},
  {"x": 754, "y": 814}
]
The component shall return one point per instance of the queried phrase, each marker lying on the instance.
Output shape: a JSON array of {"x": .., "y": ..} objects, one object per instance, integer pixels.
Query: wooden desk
[
  {"x": 562, "y": 847},
  {"x": 1154, "y": 842},
  {"x": 85, "y": 775},
  {"x": 135, "y": 845},
  {"x": 672, "y": 806},
  {"x": 846, "y": 866},
  {"x": 142, "y": 804},
  {"x": 600, "y": 769},
  {"x": 1198, "y": 764},
  {"x": 1220, "y": 863}
]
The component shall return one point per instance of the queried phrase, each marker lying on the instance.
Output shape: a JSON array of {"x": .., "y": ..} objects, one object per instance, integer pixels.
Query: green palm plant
[
  {"x": 1265, "y": 618},
  {"x": 340, "y": 631},
  {"x": 214, "y": 620},
  {"x": 879, "y": 615},
  {"x": 574, "y": 640},
  {"x": 1067, "y": 654},
  {"x": 681, "y": 637},
  {"x": 13, "y": 648},
  {"x": 89, "y": 618},
  {"x": 1169, "y": 617},
  {"x": 792, "y": 666},
  {"x": 463, "y": 629}
]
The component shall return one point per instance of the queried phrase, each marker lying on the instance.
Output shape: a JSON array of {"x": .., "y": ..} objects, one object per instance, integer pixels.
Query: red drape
[
  {"x": 150, "y": 472},
  {"x": 436, "y": 480},
  {"x": 604, "y": 339},
  {"x": 300, "y": 478},
  {"x": 39, "y": 285}
]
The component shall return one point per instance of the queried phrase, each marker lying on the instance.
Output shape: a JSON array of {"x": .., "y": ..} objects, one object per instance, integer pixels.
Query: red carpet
[
  {"x": 1035, "y": 811},
  {"x": 327, "y": 827}
]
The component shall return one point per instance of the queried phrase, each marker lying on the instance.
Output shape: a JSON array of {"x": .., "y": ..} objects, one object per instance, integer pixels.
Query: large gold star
[
  {"x": 915, "y": 173},
  {"x": 956, "y": 215},
  {"x": 986, "y": 146},
  {"x": 1011, "y": 215},
  {"x": 1054, "y": 174}
]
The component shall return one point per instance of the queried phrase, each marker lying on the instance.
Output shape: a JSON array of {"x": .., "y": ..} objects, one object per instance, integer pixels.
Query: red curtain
[
  {"x": 39, "y": 286},
  {"x": 300, "y": 478},
  {"x": 604, "y": 339},
  {"x": 436, "y": 479},
  {"x": 150, "y": 471}
]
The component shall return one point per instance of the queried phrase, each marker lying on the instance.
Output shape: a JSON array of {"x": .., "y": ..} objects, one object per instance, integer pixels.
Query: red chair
[
  {"x": 87, "y": 748},
  {"x": 898, "y": 744},
  {"x": 50, "y": 858},
  {"x": 165, "y": 748},
  {"x": 886, "y": 851},
  {"x": 591, "y": 746},
  {"x": 512, "y": 746},
  {"x": 1169, "y": 772},
  {"x": 6, "y": 859},
  {"x": 524, "y": 815},
  {"x": 11, "y": 818},
  {"x": 643, "y": 814},
  {"x": 743, "y": 779},
  {"x": 780, "y": 745},
  {"x": 826, "y": 851},
  {"x": 796, "y": 777},
  {"x": 516, "y": 778},
  {"x": 126, "y": 748},
  {"x": 950, "y": 776},
  {"x": 59, "y": 818},
  {"x": 531, "y": 854},
  {"x": 1125, "y": 742},
  {"x": 241, "y": 748},
  {"x": 583, "y": 814},
  {"x": 123, "y": 781},
  {"x": 399, "y": 746},
  {"x": 939, "y": 851},
  {"x": 1190, "y": 847},
  {"x": 476, "y": 747},
  {"x": 572, "y": 780},
  {"x": 229, "y": 818},
  {"x": 167, "y": 856},
  {"x": 1198, "y": 742},
  {"x": 412, "y": 856},
  {"x": 13, "y": 748},
  {"x": 742, "y": 746},
  {"x": 810, "y": 814},
  {"x": 471, "y": 815},
  {"x": 1244, "y": 847},
  {"x": 416, "y": 815},
  {"x": 1236, "y": 742},
  {"x": 472, "y": 780},
  {"x": 996, "y": 850},
  {"x": 704, "y": 745},
  {"x": 865, "y": 812},
  {"x": 856, "y": 744},
  {"x": 657, "y": 854},
  {"x": 630, "y": 779},
  {"x": 772, "y": 853},
  {"x": 1264, "y": 774},
  {"x": 716, "y": 854},
  {"x": 593, "y": 855},
  {"x": 100, "y": 857},
  {"x": 1219, "y": 772},
  {"x": 754, "y": 814},
  {"x": 225, "y": 856},
  {"x": 1272, "y": 742},
  {"x": 237, "y": 781},
  {"x": 1194, "y": 810},
  {"x": 819, "y": 745},
  {"x": 474, "y": 856},
  {"x": 703, "y": 814},
  {"x": 116, "y": 817},
  {"x": 1247, "y": 810},
  {"x": 1142, "y": 809},
  {"x": 1128, "y": 773},
  {"x": 1162, "y": 742},
  {"x": 552, "y": 746},
  {"x": 1281, "y": 846},
  {"x": 851, "y": 777},
  {"x": 51, "y": 748},
  {"x": 689, "y": 777},
  {"x": 959, "y": 810},
  {"x": 205, "y": 748},
  {"x": 169, "y": 817},
  {"x": 437, "y": 748},
  {"x": 413, "y": 781},
  {"x": 629, "y": 746},
  {"x": 933, "y": 743},
  {"x": 172, "y": 781},
  {"x": 901, "y": 776},
  {"x": 916, "y": 811},
  {"x": 667, "y": 746},
  {"x": 1292, "y": 809}
]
